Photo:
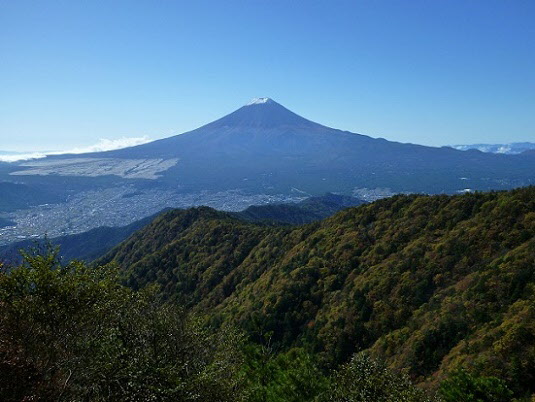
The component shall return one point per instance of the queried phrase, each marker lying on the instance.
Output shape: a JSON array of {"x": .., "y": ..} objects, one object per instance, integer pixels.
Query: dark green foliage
[
  {"x": 462, "y": 386},
  {"x": 366, "y": 380},
  {"x": 285, "y": 377},
  {"x": 427, "y": 283},
  {"x": 310, "y": 210},
  {"x": 72, "y": 333}
]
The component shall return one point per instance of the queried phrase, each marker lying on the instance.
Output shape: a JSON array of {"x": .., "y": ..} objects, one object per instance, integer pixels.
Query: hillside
[
  {"x": 18, "y": 196},
  {"x": 309, "y": 210},
  {"x": 428, "y": 283}
]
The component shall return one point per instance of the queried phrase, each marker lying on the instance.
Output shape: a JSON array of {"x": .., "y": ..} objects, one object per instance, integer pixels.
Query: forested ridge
[
  {"x": 430, "y": 284},
  {"x": 413, "y": 298},
  {"x": 309, "y": 210}
]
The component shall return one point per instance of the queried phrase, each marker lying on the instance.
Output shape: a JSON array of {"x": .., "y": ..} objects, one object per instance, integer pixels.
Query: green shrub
[
  {"x": 73, "y": 333},
  {"x": 462, "y": 386}
]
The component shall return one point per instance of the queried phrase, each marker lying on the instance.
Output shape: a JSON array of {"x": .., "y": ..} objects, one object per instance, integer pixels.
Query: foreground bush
[
  {"x": 74, "y": 333},
  {"x": 364, "y": 379},
  {"x": 462, "y": 386},
  {"x": 291, "y": 376},
  {"x": 71, "y": 333}
]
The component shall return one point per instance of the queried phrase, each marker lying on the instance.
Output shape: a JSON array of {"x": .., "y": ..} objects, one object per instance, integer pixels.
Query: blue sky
[{"x": 429, "y": 72}]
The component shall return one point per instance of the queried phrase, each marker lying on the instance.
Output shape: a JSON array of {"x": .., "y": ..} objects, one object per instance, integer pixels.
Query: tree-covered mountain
[
  {"x": 431, "y": 284},
  {"x": 70, "y": 332},
  {"x": 309, "y": 210}
]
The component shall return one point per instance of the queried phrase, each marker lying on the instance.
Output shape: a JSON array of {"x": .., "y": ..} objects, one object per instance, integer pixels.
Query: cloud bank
[
  {"x": 109, "y": 145},
  {"x": 102, "y": 145}
]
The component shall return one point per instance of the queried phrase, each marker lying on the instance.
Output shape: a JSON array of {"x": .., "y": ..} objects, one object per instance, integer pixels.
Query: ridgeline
[{"x": 429, "y": 284}]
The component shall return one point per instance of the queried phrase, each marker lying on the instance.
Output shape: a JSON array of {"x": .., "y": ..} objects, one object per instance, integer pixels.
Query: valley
[{"x": 119, "y": 206}]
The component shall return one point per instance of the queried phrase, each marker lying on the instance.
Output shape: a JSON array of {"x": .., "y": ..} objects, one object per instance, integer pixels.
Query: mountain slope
[
  {"x": 18, "y": 196},
  {"x": 309, "y": 210},
  {"x": 270, "y": 146},
  {"x": 265, "y": 148},
  {"x": 427, "y": 283}
]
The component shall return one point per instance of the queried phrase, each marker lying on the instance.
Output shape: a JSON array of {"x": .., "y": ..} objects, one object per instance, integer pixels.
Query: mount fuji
[{"x": 265, "y": 148}]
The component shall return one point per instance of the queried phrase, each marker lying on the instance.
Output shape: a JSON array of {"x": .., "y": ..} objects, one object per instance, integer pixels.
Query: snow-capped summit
[
  {"x": 262, "y": 113},
  {"x": 259, "y": 101}
]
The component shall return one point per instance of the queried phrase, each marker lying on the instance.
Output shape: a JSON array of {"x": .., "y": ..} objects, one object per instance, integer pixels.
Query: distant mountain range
[{"x": 512, "y": 148}]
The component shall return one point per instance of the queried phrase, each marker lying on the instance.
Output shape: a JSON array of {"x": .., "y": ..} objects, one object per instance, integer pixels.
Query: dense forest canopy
[
  {"x": 433, "y": 291},
  {"x": 430, "y": 284},
  {"x": 74, "y": 333}
]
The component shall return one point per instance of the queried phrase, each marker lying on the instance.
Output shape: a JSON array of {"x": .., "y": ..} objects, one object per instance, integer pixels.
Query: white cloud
[
  {"x": 102, "y": 145},
  {"x": 21, "y": 156},
  {"x": 109, "y": 145}
]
